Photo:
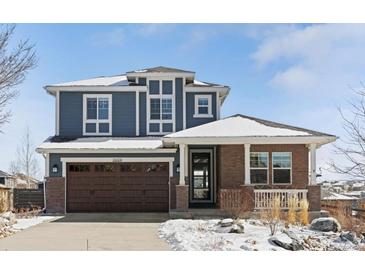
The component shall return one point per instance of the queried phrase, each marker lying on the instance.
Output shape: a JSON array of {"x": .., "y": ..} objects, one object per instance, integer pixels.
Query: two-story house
[{"x": 153, "y": 140}]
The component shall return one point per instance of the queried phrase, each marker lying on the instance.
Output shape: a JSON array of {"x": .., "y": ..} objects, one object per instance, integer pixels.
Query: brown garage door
[{"x": 117, "y": 187}]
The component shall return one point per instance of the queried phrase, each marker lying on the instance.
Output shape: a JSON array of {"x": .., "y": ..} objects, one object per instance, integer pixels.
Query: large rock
[
  {"x": 226, "y": 222},
  {"x": 325, "y": 224},
  {"x": 349, "y": 236},
  {"x": 237, "y": 228},
  {"x": 293, "y": 246}
]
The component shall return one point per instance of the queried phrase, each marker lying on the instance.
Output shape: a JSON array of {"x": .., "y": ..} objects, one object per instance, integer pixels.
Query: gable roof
[
  {"x": 4, "y": 174},
  {"x": 160, "y": 69},
  {"x": 117, "y": 80},
  {"x": 241, "y": 126},
  {"x": 198, "y": 83}
]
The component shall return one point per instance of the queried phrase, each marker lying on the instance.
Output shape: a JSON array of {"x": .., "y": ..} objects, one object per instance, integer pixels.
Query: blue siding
[
  {"x": 70, "y": 114},
  {"x": 142, "y": 114},
  {"x": 124, "y": 114},
  {"x": 190, "y": 105},
  {"x": 55, "y": 159},
  {"x": 179, "y": 103},
  {"x": 142, "y": 81}
]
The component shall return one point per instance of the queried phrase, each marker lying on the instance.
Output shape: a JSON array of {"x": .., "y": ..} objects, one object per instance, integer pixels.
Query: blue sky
[{"x": 295, "y": 74}]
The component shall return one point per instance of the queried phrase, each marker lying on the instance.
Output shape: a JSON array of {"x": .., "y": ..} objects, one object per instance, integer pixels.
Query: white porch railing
[{"x": 264, "y": 197}]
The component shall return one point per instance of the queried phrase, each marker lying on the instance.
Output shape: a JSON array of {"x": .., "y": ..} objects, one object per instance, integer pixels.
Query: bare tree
[
  {"x": 26, "y": 161},
  {"x": 14, "y": 64},
  {"x": 352, "y": 146}
]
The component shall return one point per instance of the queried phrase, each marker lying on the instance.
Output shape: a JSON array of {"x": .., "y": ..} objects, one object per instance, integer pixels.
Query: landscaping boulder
[
  {"x": 293, "y": 246},
  {"x": 325, "y": 224},
  {"x": 237, "y": 228},
  {"x": 226, "y": 222},
  {"x": 349, "y": 236}
]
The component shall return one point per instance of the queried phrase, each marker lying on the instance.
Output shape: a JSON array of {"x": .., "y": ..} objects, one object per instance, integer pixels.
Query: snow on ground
[
  {"x": 201, "y": 235},
  {"x": 25, "y": 223}
]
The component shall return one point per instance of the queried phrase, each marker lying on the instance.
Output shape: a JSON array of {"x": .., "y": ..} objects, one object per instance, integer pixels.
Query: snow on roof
[
  {"x": 243, "y": 126},
  {"x": 337, "y": 196},
  {"x": 160, "y": 69},
  {"x": 94, "y": 143},
  {"x": 117, "y": 80},
  {"x": 4, "y": 174},
  {"x": 198, "y": 83}
]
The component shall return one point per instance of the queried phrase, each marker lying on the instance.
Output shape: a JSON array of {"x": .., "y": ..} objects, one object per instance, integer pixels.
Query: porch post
[
  {"x": 247, "y": 165},
  {"x": 182, "y": 164},
  {"x": 313, "y": 174}
]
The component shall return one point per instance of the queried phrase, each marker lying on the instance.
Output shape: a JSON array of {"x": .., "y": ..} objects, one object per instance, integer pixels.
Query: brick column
[
  {"x": 182, "y": 197},
  {"x": 55, "y": 195},
  {"x": 314, "y": 198}
]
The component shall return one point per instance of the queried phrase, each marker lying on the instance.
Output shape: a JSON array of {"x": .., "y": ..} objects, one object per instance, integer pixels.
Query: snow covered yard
[
  {"x": 10, "y": 223},
  {"x": 207, "y": 235}
]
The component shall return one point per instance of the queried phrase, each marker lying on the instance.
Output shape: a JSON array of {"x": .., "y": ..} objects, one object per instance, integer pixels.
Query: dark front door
[{"x": 201, "y": 183}]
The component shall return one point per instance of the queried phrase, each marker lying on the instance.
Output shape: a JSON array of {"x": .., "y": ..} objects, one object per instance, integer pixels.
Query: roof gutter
[
  {"x": 104, "y": 150},
  {"x": 318, "y": 140},
  {"x": 54, "y": 89}
]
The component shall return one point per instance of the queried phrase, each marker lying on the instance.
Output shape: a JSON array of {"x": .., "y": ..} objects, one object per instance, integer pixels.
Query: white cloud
[
  {"x": 314, "y": 58},
  {"x": 115, "y": 37},
  {"x": 148, "y": 30}
]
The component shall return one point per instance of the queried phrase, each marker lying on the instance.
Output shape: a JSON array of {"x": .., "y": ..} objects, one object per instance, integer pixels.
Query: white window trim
[
  {"x": 97, "y": 121},
  {"x": 272, "y": 168},
  {"x": 196, "y": 101},
  {"x": 160, "y": 96},
  {"x": 264, "y": 168}
]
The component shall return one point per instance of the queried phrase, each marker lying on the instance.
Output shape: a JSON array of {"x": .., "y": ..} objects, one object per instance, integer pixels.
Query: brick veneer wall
[
  {"x": 231, "y": 172},
  {"x": 314, "y": 198},
  {"x": 55, "y": 195},
  {"x": 231, "y": 165},
  {"x": 182, "y": 197}
]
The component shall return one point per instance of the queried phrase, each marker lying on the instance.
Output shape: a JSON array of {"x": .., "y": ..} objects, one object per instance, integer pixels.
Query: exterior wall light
[
  {"x": 55, "y": 169},
  {"x": 178, "y": 168}
]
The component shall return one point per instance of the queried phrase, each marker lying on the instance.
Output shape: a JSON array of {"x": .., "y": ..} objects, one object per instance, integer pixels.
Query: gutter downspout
[{"x": 44, "y": 190}]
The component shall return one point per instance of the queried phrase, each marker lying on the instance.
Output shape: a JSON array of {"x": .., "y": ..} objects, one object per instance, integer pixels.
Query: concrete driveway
[{"x": 92, "y": 231}]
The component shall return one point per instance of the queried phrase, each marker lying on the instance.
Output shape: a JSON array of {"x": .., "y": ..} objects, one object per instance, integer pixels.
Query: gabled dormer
[{"x": 147, "y": 102}]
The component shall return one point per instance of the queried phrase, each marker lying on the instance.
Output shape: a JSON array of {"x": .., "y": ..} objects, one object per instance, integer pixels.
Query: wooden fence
[
  {"x": 28, "y": 198},
  {"x": 5, "y": 200}
]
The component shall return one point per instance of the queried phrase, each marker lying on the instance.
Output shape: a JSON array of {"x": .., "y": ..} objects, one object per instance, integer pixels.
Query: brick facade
[
  {"x": 182, "y": 197},
  {"x": 314, "y": 198},
  {"x": 231, "y": 173},
  {"x": 55, "y": 195},
  {"x": 231, "y": 165}
]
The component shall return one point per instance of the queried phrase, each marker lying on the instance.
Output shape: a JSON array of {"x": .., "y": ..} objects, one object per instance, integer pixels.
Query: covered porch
[{"x": 245, "y": 169}]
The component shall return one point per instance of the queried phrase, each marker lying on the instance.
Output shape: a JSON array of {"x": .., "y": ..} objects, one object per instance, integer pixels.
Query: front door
[{"x": 201, "y": 174}]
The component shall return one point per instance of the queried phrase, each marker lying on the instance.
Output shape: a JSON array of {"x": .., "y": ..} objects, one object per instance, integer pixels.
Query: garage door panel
[{"x": 130, "y": 187}]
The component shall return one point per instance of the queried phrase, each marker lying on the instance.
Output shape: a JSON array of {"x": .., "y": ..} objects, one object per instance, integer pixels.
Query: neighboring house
[
  {"x": 17, "y": 180},
  {"x": 153, "y": 140},
  {"x": 5, "y": 180},
  {"x": 20, "y": 181},
  {"x": 338, "y": 203}
]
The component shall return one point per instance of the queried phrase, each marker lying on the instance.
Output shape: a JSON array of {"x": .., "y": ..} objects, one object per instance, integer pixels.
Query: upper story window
[
  {"x": 97, "y": 114},
  {"x": 203, "y": 106},
  {"x": 281, "y": 167},
  {"x": 160, "y": 107},
  {"x": 259, "y": 167}
]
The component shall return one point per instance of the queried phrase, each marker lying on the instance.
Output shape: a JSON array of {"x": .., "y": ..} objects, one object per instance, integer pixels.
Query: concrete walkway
[{"x": 104, "y": 231}]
